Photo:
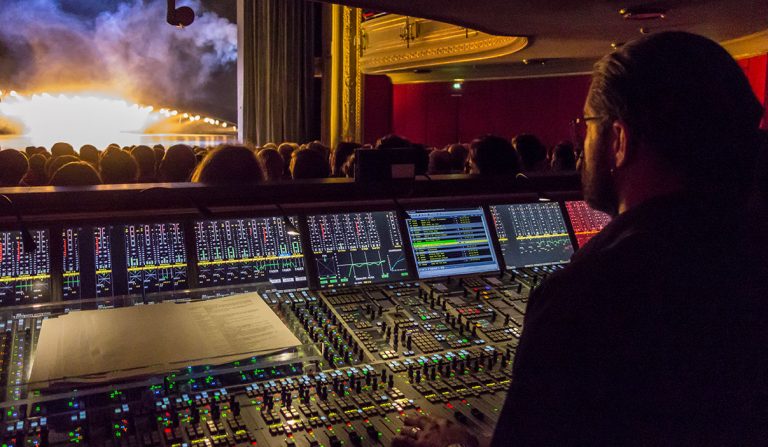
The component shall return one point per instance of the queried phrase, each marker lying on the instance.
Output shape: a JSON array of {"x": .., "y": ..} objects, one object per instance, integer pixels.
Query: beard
[{"x": 597, "y": 181}]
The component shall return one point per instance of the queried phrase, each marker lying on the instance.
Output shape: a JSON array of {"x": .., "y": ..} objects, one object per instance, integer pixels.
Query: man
[{"x": 655, "y": 333}]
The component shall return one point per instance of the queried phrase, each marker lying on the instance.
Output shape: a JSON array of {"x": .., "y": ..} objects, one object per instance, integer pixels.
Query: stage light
[{"x": 458, "y": 85}]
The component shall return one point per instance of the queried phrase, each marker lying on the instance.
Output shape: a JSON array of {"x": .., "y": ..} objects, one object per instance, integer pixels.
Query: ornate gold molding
[
  {"x": 437, "y": 44},
  {"x": 346, "y": 90}
]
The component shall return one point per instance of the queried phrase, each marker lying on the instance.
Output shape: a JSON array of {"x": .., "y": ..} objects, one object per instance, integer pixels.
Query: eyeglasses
[{"x": 579, "y": 126}]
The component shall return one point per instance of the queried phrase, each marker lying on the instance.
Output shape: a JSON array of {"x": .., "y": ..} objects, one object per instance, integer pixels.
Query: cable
[{"x": 290, "y": 228}]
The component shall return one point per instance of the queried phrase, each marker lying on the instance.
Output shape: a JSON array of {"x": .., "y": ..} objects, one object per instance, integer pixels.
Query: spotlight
[
  {"x": 458, "y": 85},
  {"x": 179, "y": 17}
]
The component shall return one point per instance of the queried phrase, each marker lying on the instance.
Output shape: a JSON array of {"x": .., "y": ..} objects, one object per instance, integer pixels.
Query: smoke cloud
[{"x": 129, "y": 50}]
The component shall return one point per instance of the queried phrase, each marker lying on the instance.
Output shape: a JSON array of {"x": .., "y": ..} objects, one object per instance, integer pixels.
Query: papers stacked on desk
[{"x": 103, "y": 345}]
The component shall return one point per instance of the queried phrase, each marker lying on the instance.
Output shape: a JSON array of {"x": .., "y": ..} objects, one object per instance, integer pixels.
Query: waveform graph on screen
[
  {"x": 357, "y": 248},
  {"x": 532, "y": 234},
  {"x": 585, "y": 221},
  {"x": 25, "y": 275},
  {"x": 241, "y": 251},
  {"x": 156, "y": 257}
]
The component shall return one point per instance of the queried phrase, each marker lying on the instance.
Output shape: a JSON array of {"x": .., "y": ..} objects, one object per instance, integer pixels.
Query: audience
[
  {"x": 13, "y": 167},
  {"x": 533, "y": 154},
  {"x": 79, "y": 173},
  {"x": 177, "y": 165},
  {"x": 563, "y": 157},
  {"x": 90, "y": 154},
  {"x": 118, "y": 166},
  {"x": 228, "y": 165},
  {"x": 309, "y": 163},
  {"x": 145, "y": 158},
  {"x": 61, "y": 148},
  {"x": 286, "y": 151},
  {"x": 53, "y": 164},
  {"x": 459, "y": 155},
  {"x": 159, "y": 151},
  {"x": 440, "y": 162},
  {"x": 36, "y": 175},
  {"x": 493, "y": 156},
  {"x": 392, "y": 142},
  {"x": 340, "y": 155},
  {"x": 271, "y": 164},
  {"x": 487, "y": 156}
]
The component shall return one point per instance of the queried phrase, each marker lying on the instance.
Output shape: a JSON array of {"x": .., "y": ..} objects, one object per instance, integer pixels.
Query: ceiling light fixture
[{"x": 643, "y": 13}]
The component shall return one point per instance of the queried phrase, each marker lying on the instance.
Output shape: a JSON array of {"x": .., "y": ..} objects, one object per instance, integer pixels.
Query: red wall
[
  {"x": 377, "y": 108},
  {"x": 433, "y": 113},
  {"x": 756, "y": 69}
]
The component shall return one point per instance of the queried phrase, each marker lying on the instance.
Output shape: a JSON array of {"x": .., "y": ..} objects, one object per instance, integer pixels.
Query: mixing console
[
  {"x": 532, "y": 234},
  {"x": 451, "y": 242},
  {"x": 377, "y": 344},
  {"x": 24, "y": 277},
  {"x": 248, "y": 251},
  {"x": 156, "y": 257},
  {"x": 357, "y": 248},
  {"x": 442, "y": 347},
  {"x": 585, "y": 221},
  {"x": 78, "y": 281}
]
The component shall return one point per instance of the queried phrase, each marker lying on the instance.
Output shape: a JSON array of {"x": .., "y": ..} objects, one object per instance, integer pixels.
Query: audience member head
[
  {"x": 60, "y": 148},
  {"x": 440, "y": 162},
  {"x": 119, "y": 167},
  {"x": 321, "y": 148},
  {"x": 36, "y": 175},
  {"x": 533, "y": 154},
  {"x": 108, "y": 150},
  {"x": 672, "y": 111},
  {"x": 178, "y": 164},
  {"x": 13, "y": 167},
  {"x": 77, "y": 173},
  {"x": 159, "y": 151},
  {"x": 422, "y": 160},
  {"x": 32, "y": 150},
  {"x": 459, "y": 155},
  {"x": 286, "y": 151},
  {"x": 308, "y": 163},
  {"x": 90, "y": 154},
  {"x": 145, "y": 158},
  {"x": 270, "y": 146},
  {"x": 271, "y": 164},
  {"x": 54, "y": 163},
  {"x": 491, "y": 156},
  {"x": 349, "y": 167},
  {"x": 200, "y": 156},
  {"x": 563, "y": 157},
  {"x": 229, "y": 165},
  {"x": 340, "y": 155},
  {"x": 392, "y": 142}
]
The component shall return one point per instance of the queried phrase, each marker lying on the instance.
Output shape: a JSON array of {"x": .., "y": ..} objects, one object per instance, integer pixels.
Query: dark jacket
[{"x": 655, "y": 334}]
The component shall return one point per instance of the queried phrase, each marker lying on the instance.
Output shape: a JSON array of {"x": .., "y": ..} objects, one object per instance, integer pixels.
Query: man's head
[
  {"x": 668, "y": 111},
  {"x": 491, "y": 156}
]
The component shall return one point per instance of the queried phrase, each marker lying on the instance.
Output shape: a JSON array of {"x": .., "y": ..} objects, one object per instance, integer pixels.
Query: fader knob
[{"x": 477, "y": 414}]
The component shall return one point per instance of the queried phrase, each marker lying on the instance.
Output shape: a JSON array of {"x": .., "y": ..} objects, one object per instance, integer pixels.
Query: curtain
[{"x": 278, "y": 49}]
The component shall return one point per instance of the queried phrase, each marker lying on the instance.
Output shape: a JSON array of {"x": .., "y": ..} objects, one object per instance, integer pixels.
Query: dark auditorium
[{"x": 383, "y": 223}]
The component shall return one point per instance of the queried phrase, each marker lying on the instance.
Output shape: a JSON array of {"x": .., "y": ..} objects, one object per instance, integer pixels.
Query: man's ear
[{"x": 620, "y": 144}]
